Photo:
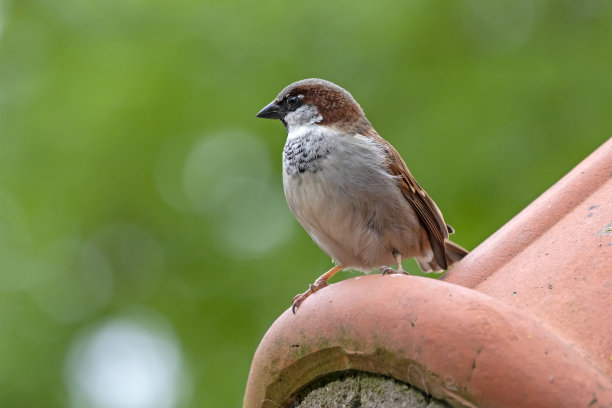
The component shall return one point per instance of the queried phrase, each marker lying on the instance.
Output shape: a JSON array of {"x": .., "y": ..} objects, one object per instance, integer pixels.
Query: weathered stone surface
[{"x": 358, "y": 389}]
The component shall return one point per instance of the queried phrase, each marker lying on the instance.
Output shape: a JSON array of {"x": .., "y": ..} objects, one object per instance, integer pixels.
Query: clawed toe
[
  {"x": 387, "y": 270},
  {"x": 300, "y": 297},
  {"x": 319, "y": 284}
]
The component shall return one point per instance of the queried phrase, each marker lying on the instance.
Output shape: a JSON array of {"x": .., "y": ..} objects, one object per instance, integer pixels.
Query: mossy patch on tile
[{"x": 359, "y": 389}]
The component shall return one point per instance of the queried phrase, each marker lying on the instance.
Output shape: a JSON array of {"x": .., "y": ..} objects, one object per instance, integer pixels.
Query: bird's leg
[
  {"x": 320, "y": 283},
  {"x": 387, "y": 270}
]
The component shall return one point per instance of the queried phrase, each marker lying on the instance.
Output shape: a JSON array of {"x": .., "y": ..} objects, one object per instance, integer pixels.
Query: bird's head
[{"x": 316, "y": 101}]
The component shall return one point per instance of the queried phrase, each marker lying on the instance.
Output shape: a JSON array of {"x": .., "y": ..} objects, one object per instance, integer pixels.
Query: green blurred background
[{"x": 145, "y": 244}]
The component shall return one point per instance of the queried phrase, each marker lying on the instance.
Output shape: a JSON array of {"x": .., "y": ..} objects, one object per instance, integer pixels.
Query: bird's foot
[
  {"x": 300, "y": 297},
  {"x": 387, "y": 270}
]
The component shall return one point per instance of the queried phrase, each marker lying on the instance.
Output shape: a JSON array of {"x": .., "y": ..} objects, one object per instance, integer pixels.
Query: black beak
[{"x": 271, "y": 111}]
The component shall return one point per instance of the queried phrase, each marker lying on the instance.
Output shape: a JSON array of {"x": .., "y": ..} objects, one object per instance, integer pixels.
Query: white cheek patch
[{"x": 304, "y": 115}]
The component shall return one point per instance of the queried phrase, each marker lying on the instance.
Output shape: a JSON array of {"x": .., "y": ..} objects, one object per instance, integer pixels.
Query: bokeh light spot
[
  {"x": 168, "y": 173},
  {"x": 226, "y": 177},
  {"x": 216, "y": 160},
  {"x": 76, "y": 280},
  {"x": 126, "y": 363},
  {"x": 136, "y": 256},
  {"x": 256, "y": 224}
]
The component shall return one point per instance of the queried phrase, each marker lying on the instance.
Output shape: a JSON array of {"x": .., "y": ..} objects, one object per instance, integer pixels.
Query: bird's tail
[{"x": 453, "y": 252}]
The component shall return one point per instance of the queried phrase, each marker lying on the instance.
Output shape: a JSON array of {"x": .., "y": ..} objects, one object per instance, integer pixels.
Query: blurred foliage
[{"x": 134, "y": 176}]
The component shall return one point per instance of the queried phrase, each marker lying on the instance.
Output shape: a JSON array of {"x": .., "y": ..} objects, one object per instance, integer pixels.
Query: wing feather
[{"x": 427, "y": 211}]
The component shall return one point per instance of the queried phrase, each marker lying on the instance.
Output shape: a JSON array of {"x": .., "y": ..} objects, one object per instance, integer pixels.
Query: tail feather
[{"x": 453, "y": 252}]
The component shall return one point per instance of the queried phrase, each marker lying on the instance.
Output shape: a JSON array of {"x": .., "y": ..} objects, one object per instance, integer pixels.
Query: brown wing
[{"x": 424, "y": 206}]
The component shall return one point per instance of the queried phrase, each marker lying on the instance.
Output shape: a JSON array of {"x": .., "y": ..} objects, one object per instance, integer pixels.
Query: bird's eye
[{"x": 292, "y": 101}]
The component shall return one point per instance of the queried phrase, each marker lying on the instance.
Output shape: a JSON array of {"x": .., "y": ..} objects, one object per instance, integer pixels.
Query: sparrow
[{"x": 351, "y": 190}]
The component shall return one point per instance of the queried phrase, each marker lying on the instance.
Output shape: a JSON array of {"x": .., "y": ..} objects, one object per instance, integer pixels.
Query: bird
[{"x": 351, "y": 190}]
